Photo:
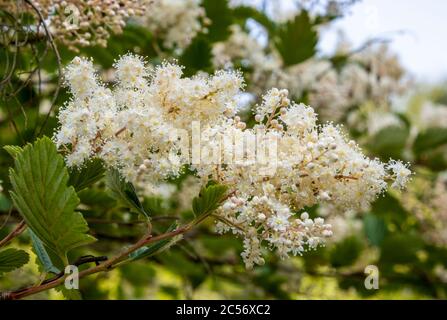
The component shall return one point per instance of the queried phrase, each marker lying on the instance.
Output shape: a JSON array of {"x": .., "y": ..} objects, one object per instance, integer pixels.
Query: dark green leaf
[
  {"x": 47, "y": 204},
  {"x": 88, "y": 174},
  {"x": 400, "y": 248},
  {"x": 389, "y": 142},
  {"x": 430, "y": 139},
  {"x": 375, "y": 229},
  {"x": 197, "y": 56},
  {"x": 296, "y": 39},
  {"x": 11, "y": 259},
  {"x": 154, "y": 248},
  {"x": 5, "y": 204},
  {"x": 221, "y": 18},
  {"x": 124, "y": 191},
  {"x": 346, "y": 252},
  {"x": 209, "y": 199}
]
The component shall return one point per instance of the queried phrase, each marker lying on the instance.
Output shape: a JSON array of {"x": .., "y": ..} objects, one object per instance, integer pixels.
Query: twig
[
  {"x": 105, "y": 266},
  {"x": 58, "y": 60},
  {"x": 14, "y": 233}
]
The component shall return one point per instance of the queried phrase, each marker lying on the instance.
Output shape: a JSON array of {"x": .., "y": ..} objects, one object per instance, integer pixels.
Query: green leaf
[
  {"x": 42, "y": 254},
  {"x": 430, "y": 139},
  {"x": 389, "y": 142},
  {"x": 296, "y": 39},
  {"x": 155, "y": 248},
  {"x": 400, "y": 248},
  {"x": 69, "y": 294},
  {"x": 5, "y": 204},
  {"x": 124, "y": 191},
  {"x": 244, "y": 13},
  {"x": 346, "y": 252},
  {"x": 375, "y": 229},
  {"x": 221, "y": 18},
  {"x": 47, "y": 204},
  {"x": 197, "y": 56},
  {"x": 209, "y": 199},
  {"x": 91, "y": 172},
  {"x": 11, "y": 259},
  {"x": 13, "y": 150}
]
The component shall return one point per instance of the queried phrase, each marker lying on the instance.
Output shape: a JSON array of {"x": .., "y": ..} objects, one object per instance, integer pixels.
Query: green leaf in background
[
  {"x": 375, "y": 229},
  {"x": 47, "y": 204},
  {"x": 430, "y": 139},
  {"x": 88, "y": 174},
  {"x": 346, "y": 251},
  {"x": 5, "y": 204},
  {"x": 155, "y": 248},
  {"x": 389, "y": 142},
  {"x": 244, "y": 12},
  {"x": 197, "y": 56},
  {"x": 221, "y": 18},
  {"x": 124, "y": 192},
  {"x": 400, "y": 248},
  {"x": 69, "y": 294},
  {"x": 11, "y": 259},
  {"x": 296, "y": 39},
  {"x": 208, "y": 199},
  {"x": 42, "y": 254}
]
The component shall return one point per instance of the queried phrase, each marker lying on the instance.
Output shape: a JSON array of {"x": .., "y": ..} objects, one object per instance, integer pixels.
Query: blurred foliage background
[{"x": 404, "y": 234}]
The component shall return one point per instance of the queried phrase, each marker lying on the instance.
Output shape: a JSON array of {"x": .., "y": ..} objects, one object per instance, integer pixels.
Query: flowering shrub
[{"x": 188, "y": 149}]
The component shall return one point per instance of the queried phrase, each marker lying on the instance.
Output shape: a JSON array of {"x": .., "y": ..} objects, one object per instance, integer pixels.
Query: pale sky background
[{"x": 417, "y": 28}]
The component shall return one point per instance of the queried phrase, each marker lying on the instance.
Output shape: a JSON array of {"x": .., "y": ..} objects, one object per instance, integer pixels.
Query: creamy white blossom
[
  {"x": 80, "y": 23},
  {"x": 177, "y": 22},
  {"x": 274, "y": 170}
]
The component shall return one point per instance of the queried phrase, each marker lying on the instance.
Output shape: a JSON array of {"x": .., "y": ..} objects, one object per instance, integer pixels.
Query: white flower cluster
[
  {"x": 177, "y": 22},
  {"x": 432, "y": 115},
  {"x": 84, "y": 23},
  {"x": 131, "y": 126},
  {"x": 373, "y": 75},
  {"x": 315, "y": 164},
  {"x": 370, "y": 75}
]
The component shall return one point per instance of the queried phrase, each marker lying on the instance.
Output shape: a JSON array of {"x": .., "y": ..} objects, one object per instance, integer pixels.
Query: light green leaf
[
  {"x": 47, "y": 204},
  {"x": 11, "y": 259},
  {"x": 209, "y": 199},
  {"x": 42, "y": 254},
  {"x": 69, "y": 294},
  {"x": 13, "y": 150},
  {"x": 296, "y": 39},
  {"x": 124, "y": 191},
  {"x": 88, "y": 174}
]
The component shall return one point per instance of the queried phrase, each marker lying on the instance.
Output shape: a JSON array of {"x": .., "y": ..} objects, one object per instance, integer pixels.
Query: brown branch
[
  {"x": 105, "y": 266},
  {"x": 14, "y": 233}
]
